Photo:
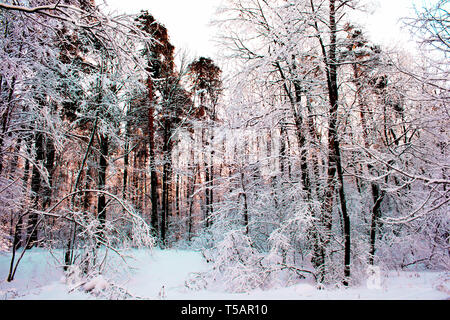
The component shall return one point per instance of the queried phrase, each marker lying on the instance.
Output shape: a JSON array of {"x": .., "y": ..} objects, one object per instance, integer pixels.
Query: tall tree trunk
[
  {"x": 190, "y": 192},
  {"x": 69, "y": 254},
  {"x": 282, "y": 151},
  {"x": 101, "y": 199},
  {"x": 206, "y": 167},
  {"x": 334, "y": 153},
  {"x": 335, "y": 160},
  {"x": 153, "y": 176},
  {"x": 5, "y": 120},
  {"x": 377, "y": 193},
  {"x": 244, "y": 197},
  {"x": 87, "y": 197},
  {"x": 178, "y": 183},
  {"x": 377, "y": 196},
  {"x": 50, "y": 154},
  {"x": 295, "y": 97},
  {"x": 301, "y": 131},
  {"x": 17, "y": 239},
  {"x": 36, "y": 182},
  {"x": 211, "y": 176},
  {"x": 126, "y": 159},
  {"x": 166, "y": 178}
]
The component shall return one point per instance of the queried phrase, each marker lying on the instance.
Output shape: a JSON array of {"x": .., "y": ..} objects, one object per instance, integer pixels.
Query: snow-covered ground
[{"x": 163, "y": 274}]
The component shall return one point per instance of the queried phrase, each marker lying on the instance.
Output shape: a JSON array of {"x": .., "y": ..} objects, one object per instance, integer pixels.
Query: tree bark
[
  {"x": 153, "y": 176},
  {"x": 36, "y": 182},
  {"x": 166, "y": 179},
  {"x": 101, "y": 199},
  {"x": 334, "y": 153}
]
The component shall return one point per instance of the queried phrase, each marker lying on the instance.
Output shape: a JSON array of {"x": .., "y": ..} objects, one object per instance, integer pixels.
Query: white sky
[
  {"x": 188, "y": 21},
  {"x": 382, "y": 23}
]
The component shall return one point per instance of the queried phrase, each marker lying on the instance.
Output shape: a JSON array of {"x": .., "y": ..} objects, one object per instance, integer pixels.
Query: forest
[{"x": 306, "y": 152}]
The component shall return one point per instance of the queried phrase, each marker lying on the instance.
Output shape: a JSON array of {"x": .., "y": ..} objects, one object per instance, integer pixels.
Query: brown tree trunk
[
  {"x": 36, "y": 182},
  {"x": 166, "y": 179},
  {"x": 5, "y": 120},
  {"x": 153, "y": 176}
]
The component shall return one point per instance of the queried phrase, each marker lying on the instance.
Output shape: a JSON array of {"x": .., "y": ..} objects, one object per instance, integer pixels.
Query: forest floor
[{"x": 163, "y": 274}]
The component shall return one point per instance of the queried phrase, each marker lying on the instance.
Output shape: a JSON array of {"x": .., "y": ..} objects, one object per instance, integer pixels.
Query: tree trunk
[
  {"x": 211, "y": 176},
  {"x": 153, "y": 176},
  {"x": 244, "y": 197},
  {"x": 35, "y": 189},
  {"x": 282, "y": 150},
  {"x": 190, "y": 195},
  {"x": 5, "y": 119},
  {"x": 334, "y": 153},
  {"x": 50, "y": 154},
  {"x": 206, "y": 166},
  {"x": 166, "y": 178},
  {"x": 101, "y": 199},
  {"x": 377, "y": 193}
]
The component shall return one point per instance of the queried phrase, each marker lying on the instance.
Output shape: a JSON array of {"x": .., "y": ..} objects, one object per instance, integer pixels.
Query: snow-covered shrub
[
  {"x": 96, "y": 284},
  {"x": 373, "y": 277},
  {"x": 100, "y": 251},
  {"x": 141, "y": 233},
  {"x": 237, "y": 263}
]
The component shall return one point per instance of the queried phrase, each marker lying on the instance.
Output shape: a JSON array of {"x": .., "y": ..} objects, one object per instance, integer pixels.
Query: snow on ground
[
  {"x": 38, "y": 276},
  {"x": 161, "y": 274}
]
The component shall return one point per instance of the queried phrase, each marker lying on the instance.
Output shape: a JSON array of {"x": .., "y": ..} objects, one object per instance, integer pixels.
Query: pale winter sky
[{"x": 188, "y": 20}]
